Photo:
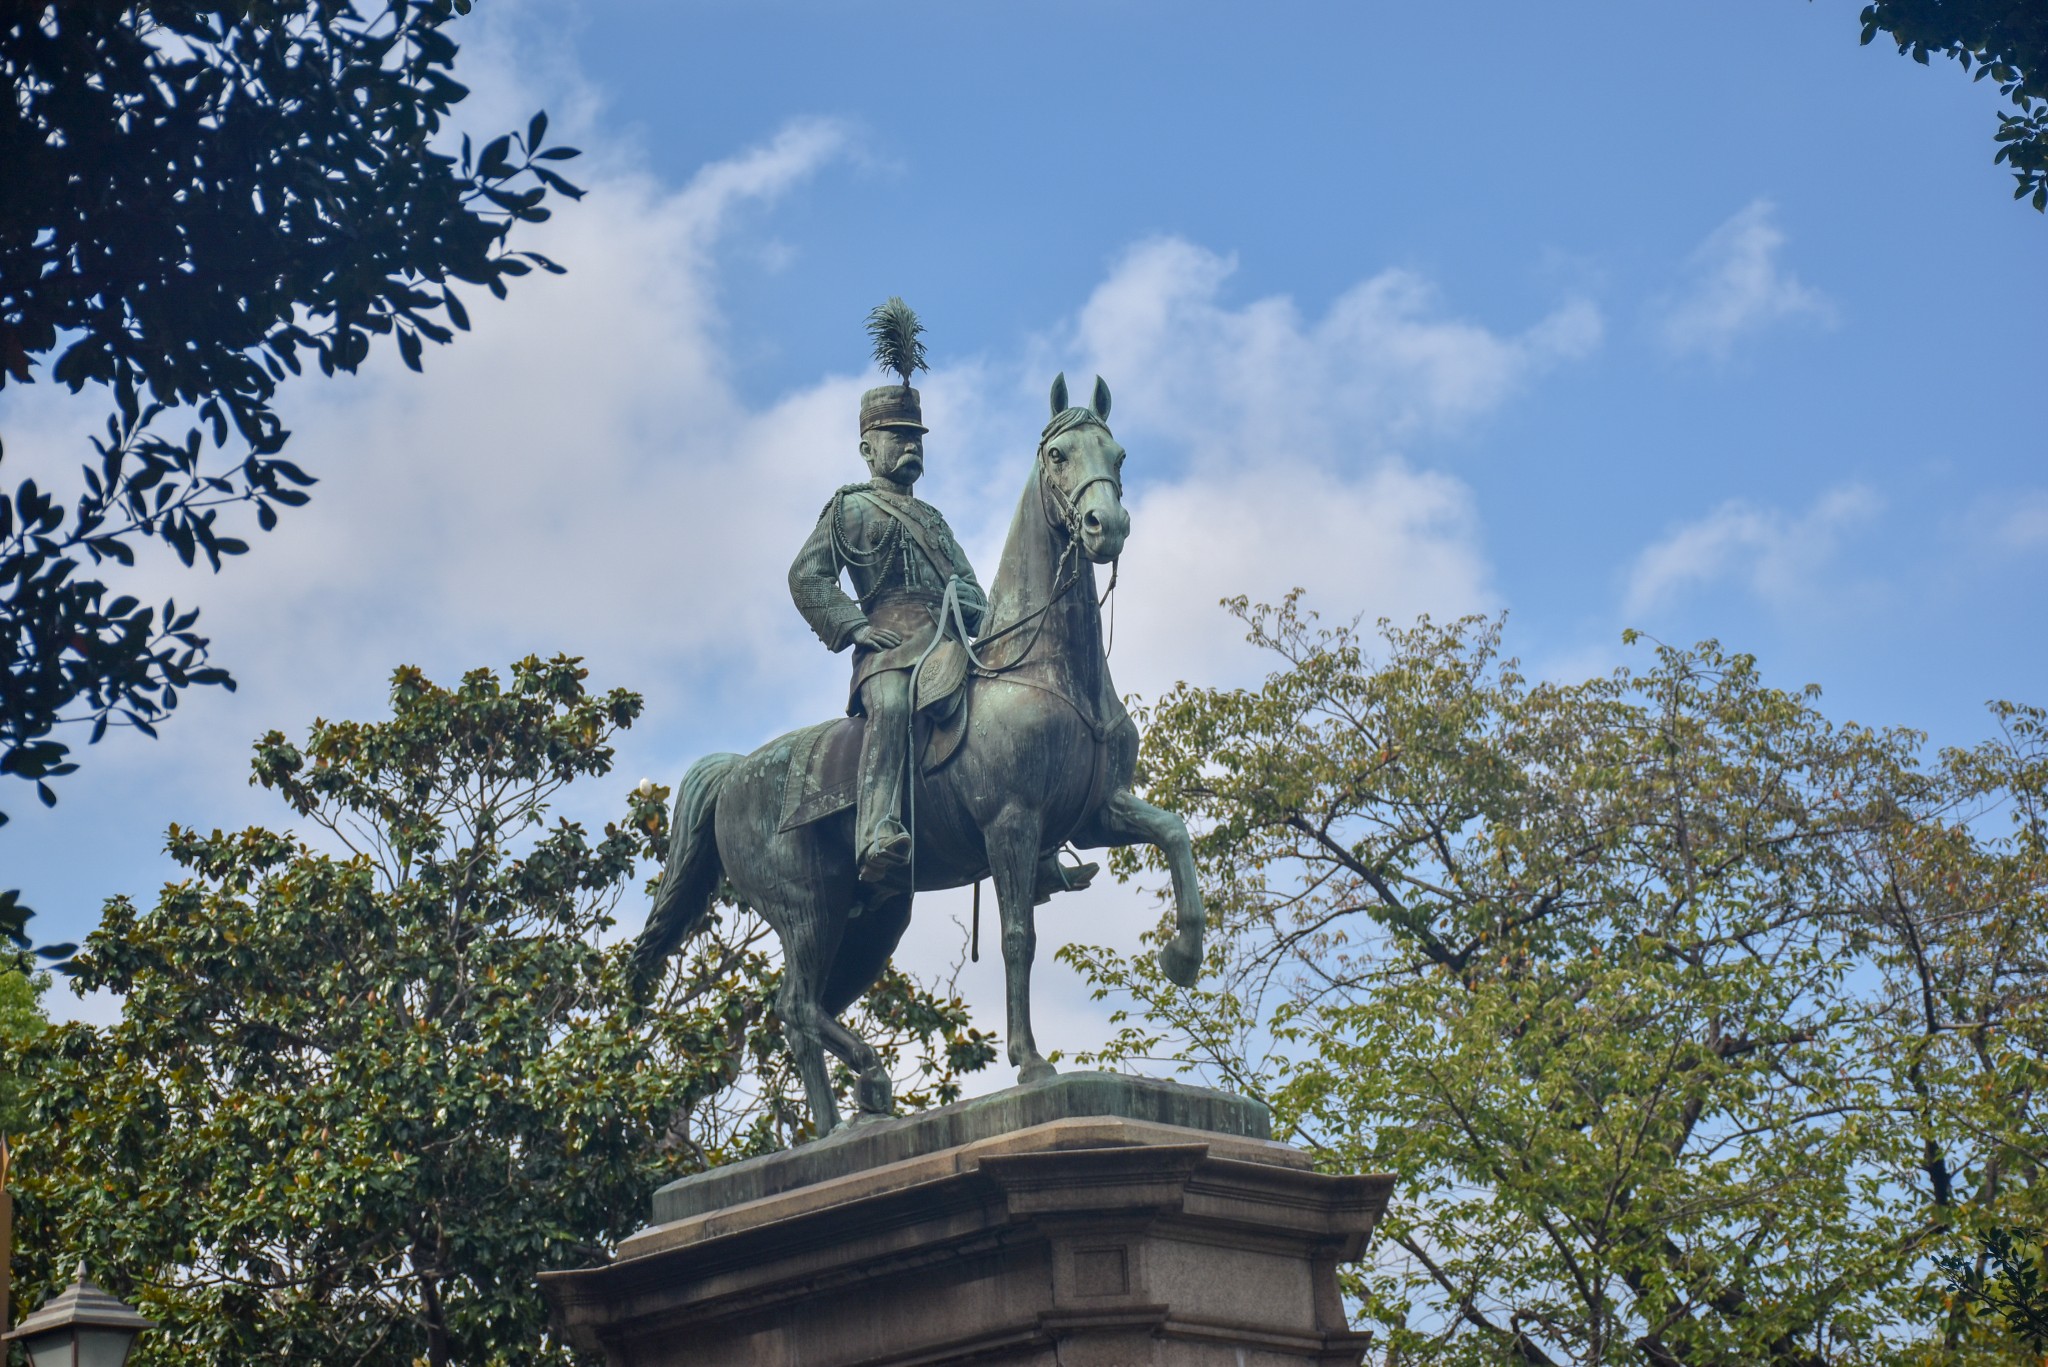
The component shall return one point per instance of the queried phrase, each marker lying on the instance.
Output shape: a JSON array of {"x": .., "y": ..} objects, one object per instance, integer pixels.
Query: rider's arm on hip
[{"x": 814, "y": 587}]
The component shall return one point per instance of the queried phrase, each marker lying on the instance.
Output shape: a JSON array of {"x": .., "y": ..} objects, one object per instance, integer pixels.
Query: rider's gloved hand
[{"x": 876, "y": 638}]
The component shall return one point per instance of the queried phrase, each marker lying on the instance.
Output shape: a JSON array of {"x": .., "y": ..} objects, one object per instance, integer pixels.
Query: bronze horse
[{"x": 1047, "y": 759}]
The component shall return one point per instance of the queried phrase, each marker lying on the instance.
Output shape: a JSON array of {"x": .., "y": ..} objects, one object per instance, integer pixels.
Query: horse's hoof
[
  {"x": 1037, "y": 1070},
  {"x": 1180, "y": 964},
  {"x": 874, "y": 1097}
]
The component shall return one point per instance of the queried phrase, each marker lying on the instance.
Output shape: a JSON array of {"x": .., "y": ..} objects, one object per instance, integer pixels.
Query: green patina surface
[{"x": 871, "y": 1145}]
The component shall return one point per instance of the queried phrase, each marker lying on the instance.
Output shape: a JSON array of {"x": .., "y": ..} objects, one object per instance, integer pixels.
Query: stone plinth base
[{"x": 1082, "y": 1240}]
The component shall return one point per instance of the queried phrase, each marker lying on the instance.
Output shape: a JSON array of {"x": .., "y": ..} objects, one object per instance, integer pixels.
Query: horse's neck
[{"x": 1068, "y": 633}]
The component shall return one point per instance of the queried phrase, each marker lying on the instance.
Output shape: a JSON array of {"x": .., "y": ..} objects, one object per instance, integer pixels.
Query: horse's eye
[{"x": 1058, "y": 456}]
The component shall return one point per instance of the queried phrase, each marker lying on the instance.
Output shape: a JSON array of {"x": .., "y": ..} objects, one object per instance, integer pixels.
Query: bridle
[
  {"x": 1066, "y": 573},
  {"x": 1051, "y": 496}
]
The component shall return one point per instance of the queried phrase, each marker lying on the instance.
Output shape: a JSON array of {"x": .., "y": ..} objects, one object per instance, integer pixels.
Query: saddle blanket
[{"x": 821, "y": 764}]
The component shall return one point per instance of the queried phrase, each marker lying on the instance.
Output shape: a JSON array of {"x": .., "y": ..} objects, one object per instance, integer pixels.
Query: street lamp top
[{"x": 82, "y": 1305}]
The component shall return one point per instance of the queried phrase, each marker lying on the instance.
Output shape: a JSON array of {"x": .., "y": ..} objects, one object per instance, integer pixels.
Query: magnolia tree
[
  {"x": 1697, "y": 1027},
  {"x": 367, "y": 1084}
]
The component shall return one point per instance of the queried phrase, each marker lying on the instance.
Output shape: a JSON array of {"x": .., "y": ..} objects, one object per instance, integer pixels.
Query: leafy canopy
[
  {"x": 1693, "y": 1023},
  {"x": 22, "y": 1022},
  {"x": 2007, "y": 42},
  {"x": 198, "y": 197},
  {"x": 361, "y": 1093}
]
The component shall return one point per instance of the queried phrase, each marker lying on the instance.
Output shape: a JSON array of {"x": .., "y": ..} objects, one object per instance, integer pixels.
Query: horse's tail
[{"x": 690, "y": 876}]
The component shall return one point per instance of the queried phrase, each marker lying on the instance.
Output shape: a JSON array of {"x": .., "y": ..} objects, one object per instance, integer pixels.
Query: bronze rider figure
[{"x": 900, "y": 556}]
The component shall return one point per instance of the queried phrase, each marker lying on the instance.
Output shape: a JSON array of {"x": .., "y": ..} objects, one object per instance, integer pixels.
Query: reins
[
  {"x": 952, "y": 619},
  {"x": 1066, "y": 572}
]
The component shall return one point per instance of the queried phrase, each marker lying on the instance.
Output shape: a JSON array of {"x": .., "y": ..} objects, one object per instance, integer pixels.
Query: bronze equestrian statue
[{"x": 1025, "y": 748}]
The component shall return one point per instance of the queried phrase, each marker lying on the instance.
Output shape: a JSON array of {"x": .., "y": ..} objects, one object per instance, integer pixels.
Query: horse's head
[{"x": 1080, "y": 465}]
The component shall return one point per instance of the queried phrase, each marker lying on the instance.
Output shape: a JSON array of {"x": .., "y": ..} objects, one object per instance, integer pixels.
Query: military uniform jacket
[{"x": 895, "y": 583}]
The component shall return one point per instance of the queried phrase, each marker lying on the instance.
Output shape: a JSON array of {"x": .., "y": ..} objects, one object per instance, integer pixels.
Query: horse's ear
[
  {"x": 1102, "y": 398},
  {"x": 1059, "y": 393}
]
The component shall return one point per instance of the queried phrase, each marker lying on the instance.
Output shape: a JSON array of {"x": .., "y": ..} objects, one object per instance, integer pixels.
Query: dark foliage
[
  {"x": 2004, "y": 41},
  {"x": 197, "y": 199},
  {"x": 2004, "y": 1283}
]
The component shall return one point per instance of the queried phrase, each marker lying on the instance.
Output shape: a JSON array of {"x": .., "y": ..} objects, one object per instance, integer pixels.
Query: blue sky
[{"x": 1695, "y": 317}]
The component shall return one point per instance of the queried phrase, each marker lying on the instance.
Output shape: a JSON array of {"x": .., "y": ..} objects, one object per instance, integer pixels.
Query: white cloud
[
  {"x": 1280, "y": 436},
  {"x": 1736, "y": 286},
  {"x": 1247, "y": 385},
  {"x": 575, "y": 474},
  {"x": 1775, "y": 555},
  {"x": 2022, "y": 523},
  {"x": 1393, "y": 542}
]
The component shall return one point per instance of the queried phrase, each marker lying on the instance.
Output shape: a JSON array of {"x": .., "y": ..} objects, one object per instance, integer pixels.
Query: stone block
[{"x": 1080, "y": 1222}]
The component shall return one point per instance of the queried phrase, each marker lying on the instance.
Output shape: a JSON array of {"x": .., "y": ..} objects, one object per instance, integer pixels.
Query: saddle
[
  {"x": 940, "y": 677},
  {"x": 821, "y": 764}
]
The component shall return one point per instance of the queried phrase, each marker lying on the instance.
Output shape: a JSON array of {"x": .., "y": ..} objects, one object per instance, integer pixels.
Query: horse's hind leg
[
  {"x": 804, "y": 961},
  {"x": 864, "y": 952},
  {"x": 1012, "y": 841},
  {"x": 1129, "y": 820},
  {"x": 873, "y": 1093},
  {"x": 803, "y": 1030}
]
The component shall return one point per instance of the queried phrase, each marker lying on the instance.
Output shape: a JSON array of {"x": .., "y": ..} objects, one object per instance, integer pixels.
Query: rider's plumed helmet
[
  {"x": 895, "y": 331},
  {"x": 891, "y": 405}
]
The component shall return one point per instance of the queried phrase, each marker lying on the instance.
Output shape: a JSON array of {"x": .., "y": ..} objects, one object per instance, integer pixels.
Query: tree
[
  {"x": 22, "y": 1022},
  {"x": 2008, "y": 1283},
  {"x": 1694, "y": 1025},
  {"x": 198, "y": 196},
  {"x": 2007, "y": 42},
  {"x": 359, "y": 1097}
]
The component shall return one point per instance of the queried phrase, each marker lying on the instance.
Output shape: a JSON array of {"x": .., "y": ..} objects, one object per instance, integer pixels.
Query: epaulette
[{"x": 842, "y": 491}]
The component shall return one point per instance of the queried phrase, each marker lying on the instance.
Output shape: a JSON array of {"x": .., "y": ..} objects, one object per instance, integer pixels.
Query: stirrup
[
  {"x": 1061, "y": 877},
  {"x": 887, "y": 856}
]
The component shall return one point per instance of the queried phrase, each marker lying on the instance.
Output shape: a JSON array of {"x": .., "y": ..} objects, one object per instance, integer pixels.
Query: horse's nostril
[{"x": 1092, "y": 522}]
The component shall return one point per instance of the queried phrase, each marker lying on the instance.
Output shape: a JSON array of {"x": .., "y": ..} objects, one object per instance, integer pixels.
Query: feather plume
[{"x": 895, "y": 328}]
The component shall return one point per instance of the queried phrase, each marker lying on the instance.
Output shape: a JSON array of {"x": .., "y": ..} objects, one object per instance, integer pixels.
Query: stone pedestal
[{"x": 1087, "y": 1221}]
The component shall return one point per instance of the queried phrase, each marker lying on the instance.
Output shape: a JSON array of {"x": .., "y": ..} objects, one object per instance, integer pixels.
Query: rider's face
[{"x": 894, "y": 453}]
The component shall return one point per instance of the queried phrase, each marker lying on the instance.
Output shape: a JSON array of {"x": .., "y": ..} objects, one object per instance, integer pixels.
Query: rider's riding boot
[
  {"x": 887, "y": 853},
  {"x": 881, "y": 843},
  {"x": 1055, "y": 876}
]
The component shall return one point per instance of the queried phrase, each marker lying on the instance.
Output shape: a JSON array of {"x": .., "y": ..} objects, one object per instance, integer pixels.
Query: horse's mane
[{"x": 1067, "y": 419}]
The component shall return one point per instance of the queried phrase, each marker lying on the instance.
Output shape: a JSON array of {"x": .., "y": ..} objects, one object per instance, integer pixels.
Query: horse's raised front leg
[
  {"x": 1012, "y": 841},
  {"x": 1130, "y": 820}
]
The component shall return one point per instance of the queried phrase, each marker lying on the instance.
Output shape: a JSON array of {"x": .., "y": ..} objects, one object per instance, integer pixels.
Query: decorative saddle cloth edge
[
  {"x": 821, "y": 771},
  {"x": 821, "y": 763}
]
